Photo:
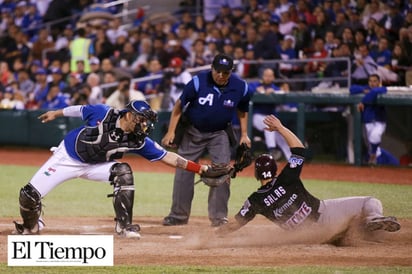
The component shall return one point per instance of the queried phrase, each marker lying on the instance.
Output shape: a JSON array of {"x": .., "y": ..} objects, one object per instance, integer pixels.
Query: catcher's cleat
[
  {"x": 130, "y": 231},
  {"x": 383, "y": 223},
  {"x": 21, "y": 230}
]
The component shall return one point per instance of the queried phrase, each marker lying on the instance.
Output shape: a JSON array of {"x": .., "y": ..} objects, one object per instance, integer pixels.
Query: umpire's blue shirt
[{"x": 211, "y": 107}]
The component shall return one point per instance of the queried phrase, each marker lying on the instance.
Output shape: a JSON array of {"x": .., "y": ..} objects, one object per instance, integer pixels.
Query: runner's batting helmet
[
  {"x": 265, "y": 167},
  {"x": 142, "y": 109}
]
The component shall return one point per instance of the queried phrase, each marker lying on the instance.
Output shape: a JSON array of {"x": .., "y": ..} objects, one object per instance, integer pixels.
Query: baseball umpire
[
  {"x": 90, "y": 152},
  {"x": 208, "y": 104},
  {"x": 284, "y": 200}
]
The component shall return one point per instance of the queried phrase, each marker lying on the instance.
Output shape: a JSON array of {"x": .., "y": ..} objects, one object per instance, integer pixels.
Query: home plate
[{"x": 175, "y": 237}]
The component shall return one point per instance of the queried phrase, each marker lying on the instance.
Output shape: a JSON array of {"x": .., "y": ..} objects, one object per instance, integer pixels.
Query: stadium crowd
[{"x": 43, "y": 67}]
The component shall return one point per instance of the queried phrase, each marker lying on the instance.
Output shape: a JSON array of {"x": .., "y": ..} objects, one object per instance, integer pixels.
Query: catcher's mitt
[
  {"x": 216, "y": 175},
  {"x": 243, "y": 159}
]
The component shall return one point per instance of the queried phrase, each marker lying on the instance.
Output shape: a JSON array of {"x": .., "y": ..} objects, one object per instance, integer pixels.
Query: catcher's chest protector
[{"x": 105, "y": 142}]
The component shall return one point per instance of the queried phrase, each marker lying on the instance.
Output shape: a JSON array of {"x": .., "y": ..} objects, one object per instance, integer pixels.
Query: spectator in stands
[
  {"x": 330, "y": 41},
  {"x": 339, "y": 68},
  {"x": 360, "y": 37},
  {"x": 211, "y": 51},
  {"x": 322, "y": 24},
  {"x": 197, "y": 55},
  {"x": 115, "y": 30},
  {"x": 315, "y": 69},
  {"x": 382, "y": 55},
  {"x": 44, "y": 41},
  {"x": 139, "y": 64},
  {"x": 25, "y": 84},
  {"x": 173, "y": 82},
  {"x": 264, "y": 47},
  {"x": 124, "y": 94},
  {"x": 159, "y": 52},
  {"x": 95, "y": 66},
  {"x": 373, "y": 115},
  {"x": 348, "y": 38},
  {"x": 109, "y": 78},
  {"x": 57, "y": 78},
  {"x": 363, "y": 65},
  {"x": 74, "y": 84},
  {"x": 374, "y": 11},
  {"x": 12, "y": 98},
  {"x": 175, "y": 49},
  {"x": 354, "y": 22},
  {"x": 80, "y": 50},
  {"x": 96, "y": 94},
  {"x": 102, "y": 46},
  {"x": 62, "y": 45},
  {"x": 151, "y": 88},
  {"x": 31, "y": 20},
  {"x": 392, "y": 21},
  {"x": 286, "y": 51},
  {"x": 6, "y": 75},
  {"x": 228, "y": 47},
  {"x": 286, "y": 24},
  {"x": 274, "y": 141},
  {"x": 54, "y": 99},
  {"x": 399, "y": 63}
]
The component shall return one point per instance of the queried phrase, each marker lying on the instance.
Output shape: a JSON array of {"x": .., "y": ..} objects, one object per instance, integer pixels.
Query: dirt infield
[{"x": 257, "y": 244}]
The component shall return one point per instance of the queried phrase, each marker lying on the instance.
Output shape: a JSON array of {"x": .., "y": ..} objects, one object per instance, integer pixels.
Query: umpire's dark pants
[{"x": 192, "y": 147}]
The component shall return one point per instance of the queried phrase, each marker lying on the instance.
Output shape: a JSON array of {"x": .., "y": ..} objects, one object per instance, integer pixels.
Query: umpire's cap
[
  {"x": 265, "y": 167},
  {"x": 222, "y": 62}
]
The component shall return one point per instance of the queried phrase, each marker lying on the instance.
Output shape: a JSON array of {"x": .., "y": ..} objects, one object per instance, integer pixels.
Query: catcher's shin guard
[
  {"x": 30, "y": 206},
  {"x": 121, "y": 177}
]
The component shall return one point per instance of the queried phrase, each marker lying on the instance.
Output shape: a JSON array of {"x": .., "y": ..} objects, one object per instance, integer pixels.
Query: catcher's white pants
[
  {"x": 272, "y": 138},
  {"x": 60, "y": 167}
]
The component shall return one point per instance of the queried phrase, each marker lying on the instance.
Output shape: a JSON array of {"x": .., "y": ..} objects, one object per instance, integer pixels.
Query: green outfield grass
[
  {"x": 153, "y": 198},
  {"x": 154, "y": 191}
]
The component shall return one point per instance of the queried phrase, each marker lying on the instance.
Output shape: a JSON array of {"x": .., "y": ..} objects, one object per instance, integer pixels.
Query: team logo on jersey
[
  {"x": 49, "y": 171},
  {"x": 116, "y": 135},
  {"x": 207, "y": 99},
  {"x": 295, "y": 161},
  {"x": 228, "y": 103}
]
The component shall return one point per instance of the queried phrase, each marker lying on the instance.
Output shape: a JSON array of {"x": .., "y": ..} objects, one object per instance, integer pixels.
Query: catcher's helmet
[
  {"x": 265, "y": 167},
  {"x": 141, "y": 108}
]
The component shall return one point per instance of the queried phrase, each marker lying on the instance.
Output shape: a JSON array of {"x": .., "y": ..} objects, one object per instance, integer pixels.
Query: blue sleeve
[
  {"x": 151, "y": 150},
  {"x": 371, "y": 96},
  {"x": 253, "y": 86},
  {"x": 357, "y": 89},
  {"x": 94, "y": 113}
]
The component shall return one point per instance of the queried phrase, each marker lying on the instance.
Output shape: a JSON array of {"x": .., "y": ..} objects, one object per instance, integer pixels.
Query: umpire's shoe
[
  {"x": 389, "y": 223},
  {"x": 171, "y": 221},
  {"x": 129, "y": 231}
]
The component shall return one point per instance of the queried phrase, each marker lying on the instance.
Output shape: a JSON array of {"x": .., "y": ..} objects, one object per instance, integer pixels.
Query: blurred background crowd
[{"x": 55, "y": 53}]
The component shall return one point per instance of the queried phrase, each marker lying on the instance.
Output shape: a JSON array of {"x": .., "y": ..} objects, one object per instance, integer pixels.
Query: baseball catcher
[
  {"x": 92, "y": 152},
  {"x": 284, "y": 200}
]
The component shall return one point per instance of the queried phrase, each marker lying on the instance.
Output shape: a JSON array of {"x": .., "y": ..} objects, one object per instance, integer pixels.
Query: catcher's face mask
[
  {"x": 144, "y": 117},
  {"x": 143, "y": 126}
]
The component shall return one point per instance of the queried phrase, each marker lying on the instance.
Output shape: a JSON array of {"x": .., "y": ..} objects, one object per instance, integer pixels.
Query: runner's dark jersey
[{"x": 284, "y": 201}]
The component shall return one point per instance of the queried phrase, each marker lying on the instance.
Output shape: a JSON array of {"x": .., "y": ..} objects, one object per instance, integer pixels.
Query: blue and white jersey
[
  {"x": 372, "y": 112},
  {"x": 100, "y": 140},
  {"x": 210, "y": 107}
]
